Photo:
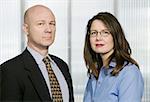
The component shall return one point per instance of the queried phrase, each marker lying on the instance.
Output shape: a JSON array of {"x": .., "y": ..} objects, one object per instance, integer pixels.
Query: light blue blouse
[{"x": 127, "y": 86}]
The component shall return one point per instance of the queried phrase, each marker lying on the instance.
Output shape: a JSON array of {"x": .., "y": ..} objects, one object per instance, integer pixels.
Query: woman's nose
[{"x": 98, "y": 36}]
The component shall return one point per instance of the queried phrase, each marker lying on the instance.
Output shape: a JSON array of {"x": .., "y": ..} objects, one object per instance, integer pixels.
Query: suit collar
[{"x": 35, "y": 75}]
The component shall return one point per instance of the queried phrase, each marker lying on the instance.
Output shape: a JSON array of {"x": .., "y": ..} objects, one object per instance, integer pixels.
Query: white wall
[
  {"x": 10, "y": 29},
  {"x": 71, "y": 19}
]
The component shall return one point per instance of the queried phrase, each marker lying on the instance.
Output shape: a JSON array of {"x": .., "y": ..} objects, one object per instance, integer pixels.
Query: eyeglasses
[{"x": 103, "y": 33}]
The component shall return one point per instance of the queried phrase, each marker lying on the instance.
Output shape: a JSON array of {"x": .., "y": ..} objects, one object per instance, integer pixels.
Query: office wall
[
  {"x": 10, "y": 30},
  {"x": 72, "y": 17}
]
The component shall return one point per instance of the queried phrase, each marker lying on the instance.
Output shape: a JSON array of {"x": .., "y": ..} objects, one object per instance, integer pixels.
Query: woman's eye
[{"x": 106, "y": 32}]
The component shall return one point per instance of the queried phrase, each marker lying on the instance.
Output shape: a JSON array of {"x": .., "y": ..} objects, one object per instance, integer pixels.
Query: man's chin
[{"x": 47, "y": 45}]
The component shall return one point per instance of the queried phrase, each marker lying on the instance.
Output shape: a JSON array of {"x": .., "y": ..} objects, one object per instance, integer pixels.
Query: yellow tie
[{"x": 54, "y": 84}]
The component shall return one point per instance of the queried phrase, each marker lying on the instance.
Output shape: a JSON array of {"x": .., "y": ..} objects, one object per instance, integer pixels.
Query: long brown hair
[{"x": 122, "y": 50}]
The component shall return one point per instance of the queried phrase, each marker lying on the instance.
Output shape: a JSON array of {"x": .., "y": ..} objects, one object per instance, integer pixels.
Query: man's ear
[{"x": 25, "y": 28}]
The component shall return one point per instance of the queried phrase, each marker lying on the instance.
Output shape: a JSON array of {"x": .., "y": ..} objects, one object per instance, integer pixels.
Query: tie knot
[{"x": 46, "y": 60}]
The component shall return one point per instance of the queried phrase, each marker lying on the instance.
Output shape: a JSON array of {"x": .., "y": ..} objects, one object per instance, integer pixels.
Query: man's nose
[{"x": 48, "y": 28}]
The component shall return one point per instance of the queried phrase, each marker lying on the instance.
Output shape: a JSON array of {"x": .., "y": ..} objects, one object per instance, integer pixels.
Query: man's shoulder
[
  {"x": 13, "y": 61},
  {"x": 57, "y": 59},
  {"x": 54, "y": 57},
  {"x": 16, "y": 59}
]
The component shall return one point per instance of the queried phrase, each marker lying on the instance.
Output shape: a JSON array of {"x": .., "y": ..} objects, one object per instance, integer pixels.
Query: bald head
[
  {"x": 35, "y": 11},
  {"x": 39, "y": 26}
]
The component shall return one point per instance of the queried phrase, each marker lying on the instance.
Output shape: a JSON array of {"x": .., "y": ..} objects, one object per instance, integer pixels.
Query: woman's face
[{"x": 100, "y": 38}]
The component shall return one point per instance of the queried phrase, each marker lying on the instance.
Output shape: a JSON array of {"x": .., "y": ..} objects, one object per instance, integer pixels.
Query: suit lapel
[{"x": 35, "y": 76}]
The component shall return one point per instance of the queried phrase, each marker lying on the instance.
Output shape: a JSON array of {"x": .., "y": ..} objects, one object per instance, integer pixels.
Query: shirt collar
[
  {"x": 37, "y": 56},
  {"x": 108, "y": 70},
  {"x": 52, "y": 61},
  {"x": 112, "y": 64}
]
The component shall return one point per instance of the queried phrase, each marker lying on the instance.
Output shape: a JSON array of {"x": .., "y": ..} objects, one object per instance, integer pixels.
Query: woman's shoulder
[{"x": 130, "y": 70}]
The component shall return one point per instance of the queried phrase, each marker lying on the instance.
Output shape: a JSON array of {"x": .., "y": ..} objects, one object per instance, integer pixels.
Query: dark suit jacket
[{"x": 22, "y": 80}]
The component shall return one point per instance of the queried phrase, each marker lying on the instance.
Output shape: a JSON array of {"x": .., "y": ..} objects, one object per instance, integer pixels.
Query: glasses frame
[{"x": 103, "y": 33}]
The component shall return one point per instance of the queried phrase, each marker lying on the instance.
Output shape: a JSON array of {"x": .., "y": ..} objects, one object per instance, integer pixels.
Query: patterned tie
[{"x": 55, "y": 87}]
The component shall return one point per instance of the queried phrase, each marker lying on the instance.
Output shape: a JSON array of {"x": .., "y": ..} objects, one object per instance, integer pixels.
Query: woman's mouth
[{"x": 99, "y": 45}]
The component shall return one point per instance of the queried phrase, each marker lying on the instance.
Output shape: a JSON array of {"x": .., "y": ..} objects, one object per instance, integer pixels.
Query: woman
[{"x": 114, "y": 76}]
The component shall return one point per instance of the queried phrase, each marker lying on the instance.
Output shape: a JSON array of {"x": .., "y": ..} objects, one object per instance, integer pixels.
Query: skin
[
  {"x": 39, "y": 25},
  {"x": 102, "y": 45}
]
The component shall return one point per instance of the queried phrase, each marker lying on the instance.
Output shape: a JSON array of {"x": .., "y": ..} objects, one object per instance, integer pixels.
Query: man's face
[{"x": 40, "y": 27}]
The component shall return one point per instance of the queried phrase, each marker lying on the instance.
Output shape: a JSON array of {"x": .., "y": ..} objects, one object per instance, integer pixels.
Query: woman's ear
[{"x": 25, "y": 28}]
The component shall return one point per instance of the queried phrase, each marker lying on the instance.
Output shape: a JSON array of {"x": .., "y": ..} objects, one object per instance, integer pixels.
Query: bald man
[{"x": 25, "y": 78}]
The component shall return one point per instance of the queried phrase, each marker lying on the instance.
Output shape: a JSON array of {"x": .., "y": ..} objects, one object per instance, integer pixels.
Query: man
[{"x": 26, "y": 78}]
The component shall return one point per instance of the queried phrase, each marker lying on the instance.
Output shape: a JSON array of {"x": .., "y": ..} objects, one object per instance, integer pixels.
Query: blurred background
[{"x": 71, "y": 19}]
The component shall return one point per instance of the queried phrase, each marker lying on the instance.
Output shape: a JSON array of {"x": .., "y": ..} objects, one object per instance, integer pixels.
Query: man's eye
[
  {"x": 40, "y": 23},
  {"x": 52, "y": 24}
]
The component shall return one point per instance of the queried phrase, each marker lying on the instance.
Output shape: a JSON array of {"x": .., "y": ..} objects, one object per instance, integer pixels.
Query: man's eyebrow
[
  {"x": 53, "y": 21},
  {"x": 44, "y": 21}
]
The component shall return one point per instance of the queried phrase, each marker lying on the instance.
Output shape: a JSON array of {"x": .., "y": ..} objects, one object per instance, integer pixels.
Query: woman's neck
[{"x": 105, "y": 57}]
